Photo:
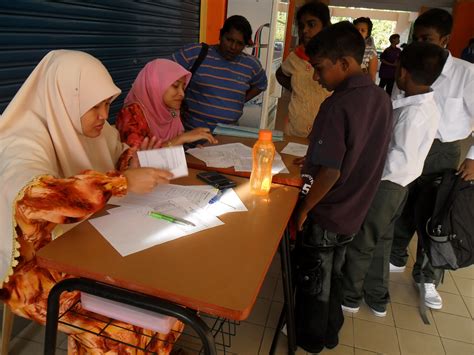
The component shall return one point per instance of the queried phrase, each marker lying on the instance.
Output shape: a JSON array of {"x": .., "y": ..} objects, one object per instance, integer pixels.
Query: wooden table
[
  {"x": 218, "y": 271},
  {"x": 291, "y": 179}
]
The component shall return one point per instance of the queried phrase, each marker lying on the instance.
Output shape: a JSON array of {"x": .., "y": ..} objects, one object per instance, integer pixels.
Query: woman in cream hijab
[{"x": 60, "y": 161}]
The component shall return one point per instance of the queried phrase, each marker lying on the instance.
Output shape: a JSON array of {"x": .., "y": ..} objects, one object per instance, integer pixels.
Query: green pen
[{"x": 171, "y": 219}]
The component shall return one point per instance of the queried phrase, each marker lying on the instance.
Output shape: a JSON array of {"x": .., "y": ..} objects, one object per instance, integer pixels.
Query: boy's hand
[
  {"x": 299, "y": 161},
  {"x": 300, "y": 218},
  {"x": 466, "y": 170}
]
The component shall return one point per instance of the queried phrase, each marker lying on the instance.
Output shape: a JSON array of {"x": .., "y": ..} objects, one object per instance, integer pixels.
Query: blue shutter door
[{"x": 123, "y": 34}]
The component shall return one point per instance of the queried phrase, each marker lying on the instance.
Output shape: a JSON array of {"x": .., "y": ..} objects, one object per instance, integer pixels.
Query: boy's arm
[
  {"x": 324, "y": 180},
  {"x": 283, "y": 80}
]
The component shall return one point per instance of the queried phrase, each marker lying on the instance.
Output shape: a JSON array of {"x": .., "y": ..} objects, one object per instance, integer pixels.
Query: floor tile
[
  {"x": 375, "y": 337},
  {"x": 259, "y": 312},
  {"x": 404, "y": 294},
  {"x": 275, "y": 266},
  {"x": 268, "y": 287},
  {"x": 363, "y": 352},
  {"x": 274, "y": 314},
  {"x": 448, "y": 284},
  {"x": 408, "y": 317},
  {"x": 346, "y": 334},
  {"x": 19, "y": 346},
  {"x": 339, "y": 350},
  {"x": 366, "y": 314},
  {"x": 278, "y": 295},
  {"x": 417, "y": 343},
  {"x": 465, "y": 286},
  {"x": 453, "y": 304},
  {"x": 402, "y": 277},
  {"x": 282, "y": 346},
  {"x": 454, "y": 327},
  {"x": 453, "y": 347},
  {"x": 469, "y": 301},
  {"x": 248, "y": 339},
  {"x": 467, "y": 272}
]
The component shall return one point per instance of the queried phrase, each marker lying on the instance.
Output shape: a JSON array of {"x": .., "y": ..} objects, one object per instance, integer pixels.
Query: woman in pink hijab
[{"x": 151, "y": 109}]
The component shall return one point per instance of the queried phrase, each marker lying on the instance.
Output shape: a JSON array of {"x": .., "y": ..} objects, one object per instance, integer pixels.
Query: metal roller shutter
[{"x": 123, "y": 34}]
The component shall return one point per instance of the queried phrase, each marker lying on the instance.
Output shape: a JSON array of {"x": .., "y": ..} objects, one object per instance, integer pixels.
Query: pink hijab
[{"x": 148, "y": 90}]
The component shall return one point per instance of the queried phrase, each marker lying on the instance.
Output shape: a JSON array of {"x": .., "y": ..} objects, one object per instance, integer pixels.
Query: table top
[
  {"x": 218, "y": 271},
  {"x": 291, "y": 179}
]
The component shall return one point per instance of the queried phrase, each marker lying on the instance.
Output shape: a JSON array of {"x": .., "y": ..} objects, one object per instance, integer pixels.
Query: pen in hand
[{"x": 171, "y": 219}]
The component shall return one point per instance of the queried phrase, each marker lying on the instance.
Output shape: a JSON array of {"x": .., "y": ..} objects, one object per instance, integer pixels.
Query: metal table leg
[
  {"x": 288, "y": 308},
  {"x": 154, "y": 304}
]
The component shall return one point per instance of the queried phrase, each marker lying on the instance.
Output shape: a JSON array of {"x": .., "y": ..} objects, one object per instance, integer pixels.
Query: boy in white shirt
[
  {"x": 453, "y": 92},
  {"x": 416, "y": 118}
]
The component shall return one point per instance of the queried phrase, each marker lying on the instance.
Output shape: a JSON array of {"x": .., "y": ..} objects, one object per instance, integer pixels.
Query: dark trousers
[
  {"x": 318, "y": 313},
  {"x": 442, "y": 156},
  {"x": 387, "y": 84},
  {"x": 366, "y": 271}
]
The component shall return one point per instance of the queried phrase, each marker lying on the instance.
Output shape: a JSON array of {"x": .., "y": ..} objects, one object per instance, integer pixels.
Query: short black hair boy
[
  {"x": 337, "y": 41},
  {"x": 439, "y": 19},
  {"x": 342, "y": 169},
  {"x": 424, "y": 61}
]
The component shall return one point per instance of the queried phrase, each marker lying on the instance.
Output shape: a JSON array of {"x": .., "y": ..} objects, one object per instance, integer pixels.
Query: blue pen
[{"x": 216, "y": 197}]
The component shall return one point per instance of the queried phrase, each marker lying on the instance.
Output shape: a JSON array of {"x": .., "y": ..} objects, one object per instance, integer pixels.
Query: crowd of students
[{"x": 367, "y": 161}]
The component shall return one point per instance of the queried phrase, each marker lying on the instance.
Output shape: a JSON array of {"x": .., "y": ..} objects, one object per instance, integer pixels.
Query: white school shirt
[
  {"x": 454, "y": 94},
  {"x": 415, "y": 122}
]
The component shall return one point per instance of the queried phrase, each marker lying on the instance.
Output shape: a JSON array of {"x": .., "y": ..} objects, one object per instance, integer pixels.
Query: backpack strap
[{"x": 202, "y": 55}]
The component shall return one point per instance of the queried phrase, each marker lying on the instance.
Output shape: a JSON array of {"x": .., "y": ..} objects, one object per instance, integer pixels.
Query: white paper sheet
[
  {"x": 130, "y": 229},
  {"x": 227, "y": 203},
  {"x": 163, "y": 193},
  {"x": 237, "y": 155},
  {"x": 171, "y": 159},
  {"x": 296, "y": 149}
]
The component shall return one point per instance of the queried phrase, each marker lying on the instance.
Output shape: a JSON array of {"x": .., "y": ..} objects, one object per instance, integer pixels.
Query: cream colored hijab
[{"x": 41, "y": 133}]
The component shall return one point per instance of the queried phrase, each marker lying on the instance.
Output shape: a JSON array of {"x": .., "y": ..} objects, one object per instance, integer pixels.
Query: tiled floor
[{"x": 401, "y": 332}]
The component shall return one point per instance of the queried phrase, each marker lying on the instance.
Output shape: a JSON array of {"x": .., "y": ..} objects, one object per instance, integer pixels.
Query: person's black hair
[
  {"x": 367, "y": 21},
  {"x": 471, "y": 41},
  {"x": 316, "y": 9},
  {"x": 392, "y": 37},
  {"x": 240, "y": 24},
  {"x": 336, "y": 41},
  {"x": 424, "y": 61},
  {"x": 439, "y": 19}
]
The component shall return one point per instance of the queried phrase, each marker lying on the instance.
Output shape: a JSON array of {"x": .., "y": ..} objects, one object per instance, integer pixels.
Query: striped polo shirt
[{"x": 217, "y": 90}]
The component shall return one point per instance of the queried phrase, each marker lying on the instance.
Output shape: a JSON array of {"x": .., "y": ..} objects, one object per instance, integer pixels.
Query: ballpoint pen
[
  {"x": 216, "y": 197},
  {"x": 172, "y": 219}
]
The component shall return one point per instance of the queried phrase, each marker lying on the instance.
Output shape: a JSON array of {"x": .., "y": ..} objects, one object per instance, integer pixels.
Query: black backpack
[{"x": 448, "y": 232}]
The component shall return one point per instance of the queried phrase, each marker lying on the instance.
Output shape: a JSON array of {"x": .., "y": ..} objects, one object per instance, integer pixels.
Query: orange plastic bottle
[{"x": 263, "y": 154}]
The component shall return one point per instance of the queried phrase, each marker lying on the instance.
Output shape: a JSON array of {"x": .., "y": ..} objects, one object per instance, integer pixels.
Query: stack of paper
[
  {"x": 235, "y": 155},
  {"x": 130, "y": 228},
  {"x": 245, "y": 132}
]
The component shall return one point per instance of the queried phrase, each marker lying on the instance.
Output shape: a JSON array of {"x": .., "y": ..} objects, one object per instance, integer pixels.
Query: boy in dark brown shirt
[{"x": 345, "y": 159}]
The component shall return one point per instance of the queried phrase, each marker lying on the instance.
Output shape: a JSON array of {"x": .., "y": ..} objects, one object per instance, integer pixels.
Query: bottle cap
[{"x": 265, "y": 135}]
